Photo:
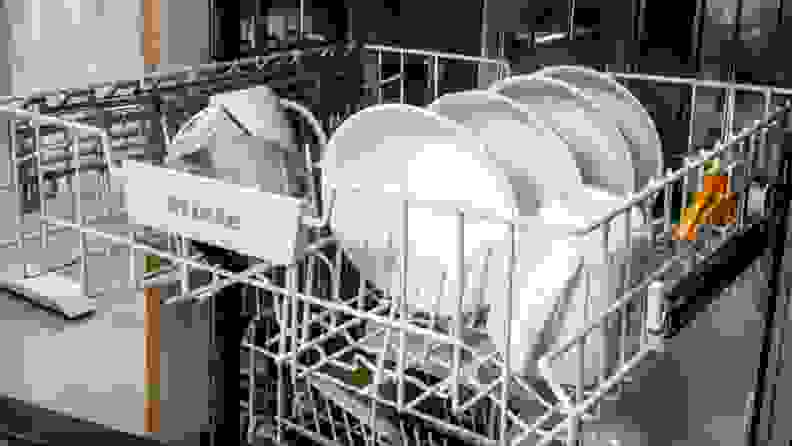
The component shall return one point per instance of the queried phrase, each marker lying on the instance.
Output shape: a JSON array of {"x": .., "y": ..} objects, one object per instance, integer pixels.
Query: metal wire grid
[
  {"x": 576, "y": 405},
  {"x": 138, "y": 114},
  {"x": 750, "y": 142},
  {"x": 746, "y": 147},
  {"x": 139, "y": 126},
  {"x": 293, "y": 309},
  {"x": 433, "y": 62}
]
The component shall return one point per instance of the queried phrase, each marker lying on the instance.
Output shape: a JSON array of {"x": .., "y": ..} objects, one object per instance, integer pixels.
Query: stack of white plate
[
  {"x": 616, "y": 149},
  {"x": 552, "y": 150},
  {"x": 600, "y": 150},
  {"x": 537, "y": 161},
  {"x": 625, "y": 110},
  {"x": 549, "y": 303},
  {"x": 611, "y": 136}
]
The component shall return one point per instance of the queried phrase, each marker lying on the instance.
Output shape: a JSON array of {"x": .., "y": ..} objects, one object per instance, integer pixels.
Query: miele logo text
[{"x": 194, "y": 210}]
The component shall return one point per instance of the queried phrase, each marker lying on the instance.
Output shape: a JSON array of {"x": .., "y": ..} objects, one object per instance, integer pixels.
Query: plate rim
[
  {"x": 624, "y": 92},
  {"x": 580, "y": 96},
  {"x": 521, "y": 112}
]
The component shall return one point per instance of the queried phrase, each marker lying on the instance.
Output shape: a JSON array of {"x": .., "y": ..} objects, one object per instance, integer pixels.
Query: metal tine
[
  {"x": 691, "y": 248},
  {"x": 574, "y": 427},
  {"x": 668, "y": 192},
  {"x": 347, "y": 427},
  {"x": 331, "y": 422},
  {"x": 306, "y": 321},
  {"x": 361, "y": 301},
  {"x": 458, "y": 321},
  {"x": 479, "y": 287},
  {"x": 388, "y": 330},
  {"x": 624, "y": 314},
  {"x": 693, "y": 106},
  {"x": 37, "y": 150},
  {"x": 314, "y": 407},
  {"x": 293, "y": 327},
  {"x": 336, "y": 271},
  {"x": 251, "y": 430},
  {"x": 739, "y": 157},
  {"x": 434, "y": 314},
  {"x": 380, "y": 366},
  {"x": 79, "y": 219},
  {"x": 754, "y": 142},
  {"x": 368, "y": 430},
  {"x": 761, "y": 154},
  {"x": 606, "y": 325},
  {"x": 686, "y": 186}
]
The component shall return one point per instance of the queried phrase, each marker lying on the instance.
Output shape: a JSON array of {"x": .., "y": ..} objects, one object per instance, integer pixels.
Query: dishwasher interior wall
[{"x": 94, "y": 369}]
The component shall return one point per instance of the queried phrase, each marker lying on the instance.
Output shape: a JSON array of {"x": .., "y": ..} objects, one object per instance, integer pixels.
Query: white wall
[
  {"x": 5, "y": 90},
  {"x": 69, "y": 43}
]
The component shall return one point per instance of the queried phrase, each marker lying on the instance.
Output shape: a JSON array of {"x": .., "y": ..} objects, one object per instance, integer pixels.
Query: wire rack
[
  {"x": 332, "y": 359},
  {"x": 420, "y": 378}
]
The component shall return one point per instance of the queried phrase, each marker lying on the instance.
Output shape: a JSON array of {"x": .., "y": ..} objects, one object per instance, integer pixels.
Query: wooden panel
[{"x": 151, "y": 32}]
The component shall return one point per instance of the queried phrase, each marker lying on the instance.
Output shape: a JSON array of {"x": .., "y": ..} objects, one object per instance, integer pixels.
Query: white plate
[
  {"x": 599, "y": 148},
  {"x": 516, "y": 137},
  {"x": 633, "y": 119},
  {"x": 550, "y": 299},
  {"x": 547, "y": 263},
  {"x": 550, "y": 303},
  {"x": 414, "y": 154}
]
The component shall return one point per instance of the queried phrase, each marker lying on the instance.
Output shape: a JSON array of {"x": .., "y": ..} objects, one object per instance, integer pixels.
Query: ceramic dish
[
  {"x": 549, "y": 304},
  {"x": 633, "y": 119},
  {"x": 538, "y": 162},
  {"x": 599, "y": 148},
  {"x": 392, "y": 152},
  {"x": 551, "y": 301}
]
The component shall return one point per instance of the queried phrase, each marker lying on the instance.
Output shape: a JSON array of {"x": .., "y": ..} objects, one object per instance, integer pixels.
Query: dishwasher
[{"x": 503, "y": 266}]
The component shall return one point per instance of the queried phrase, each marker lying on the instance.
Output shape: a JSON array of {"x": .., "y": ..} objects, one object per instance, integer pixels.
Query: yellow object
[
  {"x": 712, "y": 168},
  {"x": 691, "y": 217},
  {"x": 360, "y": 376},
  {"x": 709, "y": 208}
]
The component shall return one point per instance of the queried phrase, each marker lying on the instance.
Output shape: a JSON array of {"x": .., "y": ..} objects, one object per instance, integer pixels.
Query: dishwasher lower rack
[
  {"x": 354, "y": 366},
  {"x": 328, "y": 378},
  {"x": 338, "y": 374},
  {"x": 324, "y": 399}
]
